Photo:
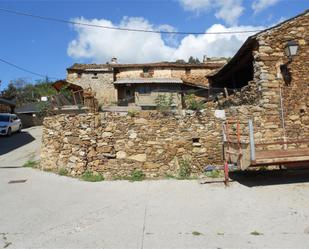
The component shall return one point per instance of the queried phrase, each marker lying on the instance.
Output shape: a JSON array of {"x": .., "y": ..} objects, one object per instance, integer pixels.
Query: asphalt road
[
  {"x": 20, "y": 147},
  {"x": 51, "y": 211}
]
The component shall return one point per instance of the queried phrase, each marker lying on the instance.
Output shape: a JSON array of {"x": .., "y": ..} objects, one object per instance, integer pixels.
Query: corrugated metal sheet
[
  {"x": 149, "y": 80},
  {"x": 7, "y": 102}
]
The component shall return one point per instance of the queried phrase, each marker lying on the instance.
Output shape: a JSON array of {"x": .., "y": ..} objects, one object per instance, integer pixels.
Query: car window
[{"x": 4, "y": 118}]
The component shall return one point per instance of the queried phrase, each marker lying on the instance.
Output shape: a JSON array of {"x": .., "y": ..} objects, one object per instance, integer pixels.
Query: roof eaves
[{"x": 248, "y": 42}]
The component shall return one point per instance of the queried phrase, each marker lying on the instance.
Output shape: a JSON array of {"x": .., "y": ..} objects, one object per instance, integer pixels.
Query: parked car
[{"x": 9, "y": 123}]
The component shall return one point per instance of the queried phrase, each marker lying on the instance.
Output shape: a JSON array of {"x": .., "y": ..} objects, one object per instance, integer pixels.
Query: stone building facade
[
  {"x": 276, "y": 85},
  {"x": 140, "y": 84},
  {"x": 99, "y": 78}
]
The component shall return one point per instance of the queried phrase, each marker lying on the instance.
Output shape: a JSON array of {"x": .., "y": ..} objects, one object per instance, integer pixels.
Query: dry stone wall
[
  {"x": 114, "y": 145},
  {"x": 269, "y": 57}
]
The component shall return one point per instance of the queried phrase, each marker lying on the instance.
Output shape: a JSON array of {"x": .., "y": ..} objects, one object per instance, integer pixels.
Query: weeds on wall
[
  {"x": 184, "y": 168},
  {"x": 164, "y": 103},
  {"x": 90, "y": 176},
  {"x": 193, "y": 104},
  {"x": 132, "y": 113},
  {"x": 63, "y": 171},
  {"x": 137, "y": 175}
]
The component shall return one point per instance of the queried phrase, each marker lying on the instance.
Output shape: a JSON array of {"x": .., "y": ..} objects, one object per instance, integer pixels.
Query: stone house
[
  {"x": 271, "y": 68},
  {"x": 140, "y": 84}
]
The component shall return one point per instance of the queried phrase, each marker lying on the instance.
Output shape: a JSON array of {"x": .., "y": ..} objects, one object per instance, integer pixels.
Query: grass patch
[
  {"x": 89, "y": 176},
  {"x": 220, "y": 233},
  {"x": 137, "y": 175},
  {"x": 170, "y": 176},
  {"x": 256, "y": 233},
  {"x": 63, "y": 171},
  {"x": 196, "y": 233},
  {"x": 31, "y": 164}
]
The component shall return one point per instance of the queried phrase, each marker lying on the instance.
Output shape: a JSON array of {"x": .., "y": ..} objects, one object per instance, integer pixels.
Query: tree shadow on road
[
  {"x": 270, "y": 177},
  {"x": 8, "y": 144}
]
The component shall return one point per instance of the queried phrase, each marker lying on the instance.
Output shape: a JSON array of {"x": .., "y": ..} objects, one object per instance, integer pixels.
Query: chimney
[
  {"x": 114, "y": 60},
  {"x": 205, "y": 59}
]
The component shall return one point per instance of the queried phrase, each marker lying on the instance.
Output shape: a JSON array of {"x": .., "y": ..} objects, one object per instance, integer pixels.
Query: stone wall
[
  {"x": 268, "y": 58},
  {"x": 115, "y": 145},
  {"x": 29, "y": 120}
]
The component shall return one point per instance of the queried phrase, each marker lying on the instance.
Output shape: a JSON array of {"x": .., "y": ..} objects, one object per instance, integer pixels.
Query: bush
[
  {"x": 164, "y": 102},
  {"x": 214, "y": 174},
  {"x": 137, "y": 175},
  {"x": 45, "y": 109},
  {"x": 184, "y": 168},
  {"x": 63, "y": 171},
  {"x": 90, "y": 176},
  {"x": 193, "y": 104}
]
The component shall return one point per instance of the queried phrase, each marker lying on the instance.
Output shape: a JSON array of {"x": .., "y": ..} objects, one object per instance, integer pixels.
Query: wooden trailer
[{"x": 240, "y": 150}]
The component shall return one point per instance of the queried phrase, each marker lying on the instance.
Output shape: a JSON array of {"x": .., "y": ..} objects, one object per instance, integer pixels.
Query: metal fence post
[{"x": 252, "y": 145}]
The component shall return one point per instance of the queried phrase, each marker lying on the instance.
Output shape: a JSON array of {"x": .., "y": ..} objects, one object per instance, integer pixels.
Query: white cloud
[
  {"x": 100, "y": 45},
  {"x": 260, "y": 5},
  {"x": 227, "y": 10}
]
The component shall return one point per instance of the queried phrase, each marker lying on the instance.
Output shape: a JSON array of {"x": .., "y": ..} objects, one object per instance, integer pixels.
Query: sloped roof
[
  {"x": 28, "y": 108},
  {"x": 196, "y": 80},
  {"x": 207, "y": 65},
  {"x": 7, "y": 102},
  {"x": 247, "y": 46}
]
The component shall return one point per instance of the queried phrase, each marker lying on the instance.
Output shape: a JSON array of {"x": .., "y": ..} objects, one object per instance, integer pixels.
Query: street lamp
[{"x": 291, "y": 49}]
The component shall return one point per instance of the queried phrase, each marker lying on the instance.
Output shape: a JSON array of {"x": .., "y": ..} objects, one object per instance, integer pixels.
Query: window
[
  {"x": 144, "y": 90},
  {"x": 188, "y": 71},
  {"x": 146, "y": 70},
  {"x": 79, "y": 75},
  {"x": 95, "y": 76}
]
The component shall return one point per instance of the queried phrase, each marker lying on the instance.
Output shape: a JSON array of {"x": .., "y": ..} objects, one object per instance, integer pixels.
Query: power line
[
  {"x": 23, "y": 69},
  {"x": 124, "y": 29}
]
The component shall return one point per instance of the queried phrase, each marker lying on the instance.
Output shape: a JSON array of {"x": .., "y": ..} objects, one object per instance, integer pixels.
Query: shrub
[
  {"x": 214, "y": 174},
  {"x": 63, "y": 171},
  {"x": 137, "y": 175},
  {"x": 164, "y": 102},
  {"x": 45, "y": 109},
  {"x": 90, "y": 176},
  {"x": 193, "y": 104},
  {"x": 184, "y": 168}
]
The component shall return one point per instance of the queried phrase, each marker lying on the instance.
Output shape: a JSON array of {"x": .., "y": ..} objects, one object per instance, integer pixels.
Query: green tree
[
  {"x": 193, "y": 60},
  {"x": 10, "y": 92}
]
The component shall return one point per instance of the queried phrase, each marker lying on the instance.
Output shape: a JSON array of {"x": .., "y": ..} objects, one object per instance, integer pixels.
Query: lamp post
[{"x": 291, "y": 49}]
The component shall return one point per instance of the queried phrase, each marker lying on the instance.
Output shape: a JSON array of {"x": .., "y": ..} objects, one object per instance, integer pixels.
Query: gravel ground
[{"x": 264, "y": 210}]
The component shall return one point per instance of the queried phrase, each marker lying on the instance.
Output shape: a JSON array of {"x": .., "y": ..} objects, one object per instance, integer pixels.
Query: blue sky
[{"x": 48, "y": 48}]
